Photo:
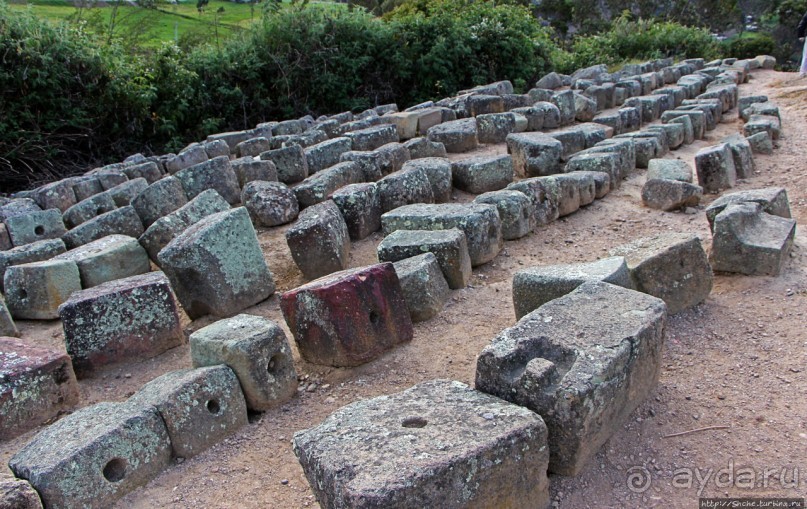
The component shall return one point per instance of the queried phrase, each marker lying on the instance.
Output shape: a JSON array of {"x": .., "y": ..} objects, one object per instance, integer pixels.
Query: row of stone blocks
[
  {"x": 534, "y": 410},
  {"x": 99, "y": 453}
]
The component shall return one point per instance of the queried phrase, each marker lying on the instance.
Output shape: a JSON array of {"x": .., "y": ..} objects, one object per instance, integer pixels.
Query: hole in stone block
[
  {"x": 39, "y": 230},
  {"x": 99, "y": 211},
  {"x": 115, "y": 470},
  {"x": 414, "y": 422},
  {"x": 213, "y": 407},
  {"x": 492, "y": 231},
  {"x": 22, "y": 294},
  {"x": 375, "y": 317},
  {"x": 274, "y": 363}
]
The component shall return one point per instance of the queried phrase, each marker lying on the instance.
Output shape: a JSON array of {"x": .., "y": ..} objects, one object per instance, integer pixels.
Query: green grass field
[{"x": 149, "y": 28}]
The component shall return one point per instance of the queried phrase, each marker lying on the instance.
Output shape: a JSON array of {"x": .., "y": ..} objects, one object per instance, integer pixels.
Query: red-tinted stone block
[
  {"x": 350, "y": 317},
  {"x": 35, "y": 385}
]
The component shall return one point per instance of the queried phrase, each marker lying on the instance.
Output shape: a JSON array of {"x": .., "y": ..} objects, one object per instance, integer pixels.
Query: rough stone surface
[
  {"x": 249, "y": 169},
  {"x": 373, "y": 164},
  {"x": 373, "y": 137},
  {"x": 109, "y": 258},
  {"x": 216, "y": 174},
  {"x": 667, "y": 195},
  {"x": 565, "y": 103},
  {"x": 438, "y": 171},
  {"x": 585, "y": 375},
  {"x": 96, "y": 455},
  {"x": 18, "y": 494},
  {"x": 122, "y": 221},
  {"x": 715, "y": 167},
  {"x": 159, "y": 199},
  {"x": 35, "y": 385},
  {"x": 772, "y": 199},
  {"x": 85, "y": 210},
  {"x": 424, "y": 287},
  {"x": 494, "y": 127},
  {"x": 669, "y": 169},
  {"x": 607, "y": 163},
  {"x": 448, "y": 246},
  {"x": 326, "y": 154},
  {"x": 257, "y": 350},
  {"x": 456, "y": 136},
  {"x": 670, "y": 266},
  {"x": 216, "y": 266},
  {"x": 480, "y": 223},
  {"x": 124, "y": 193},
  {"x": 34, "y": 291},
  {"x": 360, "y": 205},
  {"x": 318, "y": 187},
  {"x": 252, "y": 147},
  {"x": 405, "y": 187},
  {"x": 535, "y": 286},
  {"x": 516, "y": 211},
  {"x": 34, "y": 252},
  {"x": 748, "y": 240},
  {"x": 534, "y": 154},
  {"x": 425, "y": 447},
  {"x": 148, "y": 170},
  {"x": 42, "y": 225},
  {"x": 16, "y": 207},
  {"x": 423, "y": 147},
  {"x": 565, "y": 193},
  {"x": 481, "y": 174},
  {"x": 56, "y": 195},
  {"x": 348, "y": 318},
  {"x": 7, "y": 326},
  {"x": 761, "y": 143},
  {"x": 319, "y": 241},
  {"x": 290, "y": 163},
  {"x": 269, "y": 203},
  {"x": 120, "y": 321},
  {"x": 200, "y": 407},
  {"x": 743, "y": 155},
  {"x": 587, "y": 185},
  {"x": 544, "y": 194}
]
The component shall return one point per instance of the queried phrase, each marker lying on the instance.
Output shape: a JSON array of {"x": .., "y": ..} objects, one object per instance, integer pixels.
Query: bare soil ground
[{"x": 736, "y": 361}]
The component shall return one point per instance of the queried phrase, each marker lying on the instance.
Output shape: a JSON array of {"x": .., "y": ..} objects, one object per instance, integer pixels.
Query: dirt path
[{"x": 738, "y": 360}]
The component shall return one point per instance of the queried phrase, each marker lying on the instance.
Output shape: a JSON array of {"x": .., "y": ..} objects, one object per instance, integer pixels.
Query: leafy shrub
[{"x": 750, "y": 45}]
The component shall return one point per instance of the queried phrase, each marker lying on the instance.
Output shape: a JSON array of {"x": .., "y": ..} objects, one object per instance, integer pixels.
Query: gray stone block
[
  {"x": 549, "y": 81},
  {"x": 34, "y": 291},
  {"x": 410, "y": 464},
  {"x": 249, "y": 169},
  {"x": 252, "y": 147},
  {"x": 534, "y": 154},
  {"x": 34, "y": 252},
  {"x": 216, "y": 174},
  {"x": 18, "y": 494},
  {"x": 94, "y": 456},
  {"x": 360, "y": 205},
  {"x": 393, "y": 157},
  {"x": 372, "y": 163},
  {"x": 423, "y": 147},
  {"x": 216, "y": 266},
  {"x": 573, "y": 140},
  {"x": 744, "y": 102},
  {"x": 85, "y": 187},
  {"x": 674, "y": 133},
  {"x": 548, "y": 360},
  {"x": 269, "y": 203},
  {"x": 667, "y": 195},
  {"x": 200, "y": 407},
  {"x": 535, "y": 286},
  {"x": 288, "y": 127},
  {"x": 592, "y": 161},
  {"x": 450, "y": 247},
  {"x": 159, "y": 199},
  {"x": 763, "y": 124},
  {"x": 326, "y": 154},
  {"x": 107, "y": 259},
  {"x": 743, "y": 155},
  {"x": 697, "y": 118},
  {"x": 601, "y": 181},
  {"x": 35, "y": 226},
  {"x": 290, "y": 163},
  {"x": 761, "y": 143},
  {"x": 772, "y": 199},
  {"x": 7, "y": 326},
  {"x": 56, "y": 195},
  {"x": 148, "y": 170},
  {"x": 481, "y": 174},
  {"x": 480, "y": 223},
  {"x": 565, "y": 103},
  {"x": 405, "y": 187},
  {"x": 715, "y": 167},
  {"x": 669, "y": 169},
  {"x": 123, "y": 221},
  {"x": 670, "y": 266},
  {"x": 494, "y": 127},
  {"x": 88, "y": 209},
  {"x": 216, "y": 148},
  {"x": 124, "y": 193},
  {"x": 516, "y": 212},
  {"x": 257, "y": 351},
  {"x": 456, "y": 136},
  {"x": 584, "y": 108},
  {"x": 20, "y": 206},
  {"x": 318, "y": 187},
  {"x": 319, "y": 241},
  {"x": 747, "y": 240},
  {"x": 373, "y": 137},
  {"x": 544, "y": 194},
  {"x": 424, "y": 287}
]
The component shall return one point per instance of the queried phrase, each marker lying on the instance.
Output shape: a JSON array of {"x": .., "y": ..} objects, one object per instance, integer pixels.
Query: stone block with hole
[
  {"x": 35, "y": 226},
  {"x": 407, "y": 186},
  {"x": 120, "y": 321},
  {"x": 373, "y": 137},
  {"x": 544, "y": 196},
  {"x": 437, "y": 444},
  {"x": 36, "y": 384},
  {"x": 257, "y": 350},
  {"x": 668, "y": 195},
  {"x": 715, "y": 168},
  {"x": 348, "y": 318},
  {"x": 319, "y": 241},
  {"x": 772, "y": 199},
  {"x": 326, "y": 154},
  {"x": 456, "y": 136},
  {"x": 163, "y": 230},
  {"x": 34, "y": 291},
  {"x": 438, "y": 172},
  {"x": 670, "y": 266},
  {"x": 56, "y": 195},
  {"x": 124, "y": 193},
  {"x": 216, "y": 174},
  {"x": 481, "y": 174},
  {"x": 122, "y": 221},
  {"x": 747, "y": 240},
  {"x": 534, "y": 154},
  {"x": 200, "y": 407},
  {"x": 424, "y": 287},
  {"x": 270, "y": 203},
  {"x": 516, "y": 211},
  {"x": 423, "y": 147},
  {"x": 743, "y": 155},
  {"x": 87, "y": 209},
  {"x": 216, "y": 266},
  {"x": 360, "y": 205},
  {"x": 193, "y": 155},
  {"x": 669, "y": 169},
  {"x": 479, "y": 222},
  {"x": 290, "y": 163},
  {"x": 252, "y": 147},
  {"x": 94, "y": 456},
  {"x": 319, "y": 187},
  {"x": 159, "y": 199},
  {"x": 109, "y": 258},
  {"x": 450, "y": 247},
  {"x": 7, "y": 326},
  {"x": 535, "y": 286},
  {"x": 584, "y": 377}
]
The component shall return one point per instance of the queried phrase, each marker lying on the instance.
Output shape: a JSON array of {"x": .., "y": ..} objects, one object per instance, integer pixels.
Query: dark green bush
[{"x": 749, "y": 45}]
